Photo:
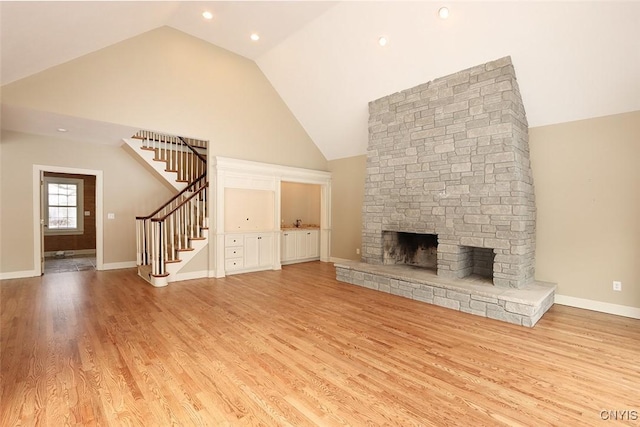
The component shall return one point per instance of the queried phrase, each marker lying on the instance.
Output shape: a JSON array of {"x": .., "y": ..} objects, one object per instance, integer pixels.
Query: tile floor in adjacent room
[{"x": 74, "y": 263}]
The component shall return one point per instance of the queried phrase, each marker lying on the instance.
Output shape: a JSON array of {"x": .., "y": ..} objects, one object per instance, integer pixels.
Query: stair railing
[
  {"x": 163, "y": 234},
  {"x": 183, "y": 156},
  {"x": 171, "y": 233},
  {"x": 144, "y": 234}
]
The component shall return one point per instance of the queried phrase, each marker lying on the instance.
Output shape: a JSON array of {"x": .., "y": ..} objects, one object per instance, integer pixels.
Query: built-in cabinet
[
  {"x": 299, "y": 246},
  {"x": 247, "y": 216},
  {"x": 248, "y": 252},
  {"x": 288, "y": 246}
]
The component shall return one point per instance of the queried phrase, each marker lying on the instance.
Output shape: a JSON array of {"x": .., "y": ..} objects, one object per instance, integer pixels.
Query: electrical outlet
[
  {"x": 357, "y": 251},
  {"x": 617, "y": 286}
]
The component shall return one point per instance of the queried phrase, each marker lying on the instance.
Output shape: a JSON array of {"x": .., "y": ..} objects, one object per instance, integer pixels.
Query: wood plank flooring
[{"x": 296, "y": 347}]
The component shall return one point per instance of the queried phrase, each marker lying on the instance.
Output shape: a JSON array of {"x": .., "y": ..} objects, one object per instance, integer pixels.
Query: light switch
[{"x": 111, "y": 215}]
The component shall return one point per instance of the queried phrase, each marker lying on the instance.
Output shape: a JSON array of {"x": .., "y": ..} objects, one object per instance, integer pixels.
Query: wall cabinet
[
  {"x": 299, "y": 246},
  {"x": 248, "y": 252}
]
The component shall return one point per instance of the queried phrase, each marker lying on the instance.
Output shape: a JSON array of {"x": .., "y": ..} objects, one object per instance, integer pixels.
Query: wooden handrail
[
  {"x": 181, "y": 204},
  {"x": 172, "y": 139},
  {"x": 193, "y": 150},
  {"x": 187, "y": 188}
]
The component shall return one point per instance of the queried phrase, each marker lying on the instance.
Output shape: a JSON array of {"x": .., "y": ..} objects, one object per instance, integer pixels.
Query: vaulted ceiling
[{"x": 574, "y": 60}]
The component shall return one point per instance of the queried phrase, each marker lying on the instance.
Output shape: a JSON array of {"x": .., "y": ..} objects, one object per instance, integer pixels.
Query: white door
[
  {"x": 288, "y": 250},
  {"x": 251, "y": 251},
  {"x": 42, "y": 221},
  {"x": 265, "y": 244},
  {"x": 313, "y": 247},
  {"x": 301, "y": 244}
]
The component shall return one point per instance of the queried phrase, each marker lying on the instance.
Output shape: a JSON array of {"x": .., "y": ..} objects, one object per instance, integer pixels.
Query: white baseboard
[
  {"x": 603, "y": 307},
  {"x": 18, "y": 274},
  {"x": 339, "y": 260},
  {"x": 214, "y": 275},
  {"x": 191, "y": 275},
  {"x": 118, "y": 265}
]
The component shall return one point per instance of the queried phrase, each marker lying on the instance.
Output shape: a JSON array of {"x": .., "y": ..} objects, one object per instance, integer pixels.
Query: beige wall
[
  {"x": 168, "y": 81},
  {"x": 248, "y": 210},
  {"x": 587, "y": 186},
  {"x": 587, "y": 183},
  {"x": 163, "y": 80},
  {"x": 129, "y": 190},
  {"x": 347, "y": 195},
  {"x": 299, "y": 201}
]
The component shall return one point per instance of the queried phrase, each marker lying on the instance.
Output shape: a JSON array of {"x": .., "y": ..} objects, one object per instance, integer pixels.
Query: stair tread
[{"x": 160, "y": 275}]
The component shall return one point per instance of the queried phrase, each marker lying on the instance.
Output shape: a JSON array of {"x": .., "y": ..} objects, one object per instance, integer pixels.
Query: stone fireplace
[
  {"x": 451, "y": 158},
  {"x": 449, "y": 206}
]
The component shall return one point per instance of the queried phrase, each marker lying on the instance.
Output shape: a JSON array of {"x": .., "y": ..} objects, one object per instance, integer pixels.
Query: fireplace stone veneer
[{"x": 451, "y": 158}]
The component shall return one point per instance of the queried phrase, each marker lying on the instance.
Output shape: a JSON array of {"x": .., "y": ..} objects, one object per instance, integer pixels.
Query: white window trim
[{"x": 80, "y": 206}]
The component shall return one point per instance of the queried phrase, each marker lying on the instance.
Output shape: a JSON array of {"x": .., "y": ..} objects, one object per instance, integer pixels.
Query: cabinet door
[
  {"x": 301, "y": 244},
  {"x": 288, "y": 246},
  {"x": 313, "y": 244},
  {"x": 265, "y": 250},
  {"x": 251, "y": 251}
]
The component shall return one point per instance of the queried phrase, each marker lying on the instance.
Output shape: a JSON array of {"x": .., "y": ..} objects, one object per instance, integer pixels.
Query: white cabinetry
[
  {"x": 258, "y": 250},
  {"x": 288, "y": 246},
  {"x": 248, "y": 252},
  {"x": 313, "y": 244},
  {"x": 233, "y": 252},
  {"x": 299, "y": 246}
]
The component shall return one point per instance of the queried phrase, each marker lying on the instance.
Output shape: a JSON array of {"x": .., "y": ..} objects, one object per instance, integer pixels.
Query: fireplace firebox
[{"x": 415, "y": 249}]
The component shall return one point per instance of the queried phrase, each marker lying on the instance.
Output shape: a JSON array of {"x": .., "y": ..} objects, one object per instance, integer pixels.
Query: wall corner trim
[
  {"x": 118, "y": 265},
  {"x": 191, "y": 275},
  {"x": 603, "y": 307}
]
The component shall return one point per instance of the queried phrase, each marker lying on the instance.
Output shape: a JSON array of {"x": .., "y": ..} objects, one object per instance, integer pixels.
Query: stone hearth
[{"x": 473, "y": 295}]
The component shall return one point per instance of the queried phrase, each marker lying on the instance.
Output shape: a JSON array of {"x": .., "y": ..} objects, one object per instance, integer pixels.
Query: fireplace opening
[
  {"x": 477, "y": 261},
  {"x": 419, "y": 250}
]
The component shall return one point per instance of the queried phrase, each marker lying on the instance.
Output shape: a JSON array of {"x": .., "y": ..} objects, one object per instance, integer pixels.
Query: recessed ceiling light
[
  {"x": 443, "y": 12},
  {"x": 382, "y": 41},
  {"x": 62, "y": 130},
  {"x": 255, "y": 37},
  {"x": 207, "y": 15}
]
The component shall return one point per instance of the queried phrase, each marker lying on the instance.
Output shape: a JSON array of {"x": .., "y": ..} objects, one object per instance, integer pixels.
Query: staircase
[{"x": 168, "y": 238}]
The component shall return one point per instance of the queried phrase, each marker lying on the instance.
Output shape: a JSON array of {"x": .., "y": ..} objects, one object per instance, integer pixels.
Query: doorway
[{"x": 68, "y": 232}]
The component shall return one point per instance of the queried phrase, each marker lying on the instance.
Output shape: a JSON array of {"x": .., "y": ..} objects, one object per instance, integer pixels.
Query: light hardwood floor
[{"x": 296, "y": 347}]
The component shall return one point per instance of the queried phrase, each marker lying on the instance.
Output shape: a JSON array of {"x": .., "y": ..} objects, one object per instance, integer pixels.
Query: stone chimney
[{"x": 451, "y": 158}]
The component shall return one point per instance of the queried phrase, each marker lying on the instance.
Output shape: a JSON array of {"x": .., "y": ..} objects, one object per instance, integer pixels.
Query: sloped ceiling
[{"x": 574, "y": 60}]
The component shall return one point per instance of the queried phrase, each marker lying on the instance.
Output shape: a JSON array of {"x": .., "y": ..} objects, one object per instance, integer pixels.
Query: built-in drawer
[
  {"x": 233, "y": 264},
  {"x": 234, "y": 252},
  {"x": 233, "y": 240}
]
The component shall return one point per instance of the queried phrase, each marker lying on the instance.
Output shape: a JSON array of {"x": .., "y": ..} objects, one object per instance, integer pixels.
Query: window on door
[{"x": 64, "y": 205}]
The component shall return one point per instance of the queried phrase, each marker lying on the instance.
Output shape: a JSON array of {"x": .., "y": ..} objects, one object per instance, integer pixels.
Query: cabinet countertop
[{"x": 304, "y": 227}]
